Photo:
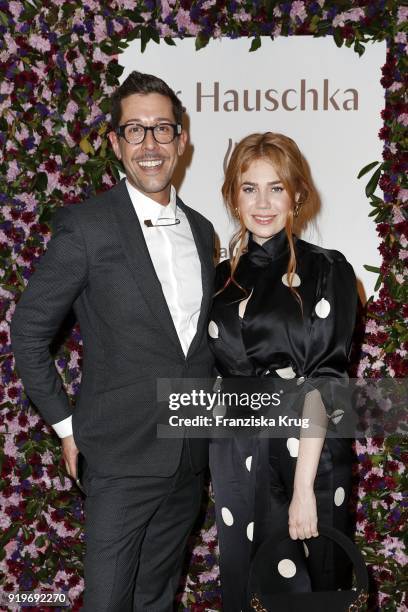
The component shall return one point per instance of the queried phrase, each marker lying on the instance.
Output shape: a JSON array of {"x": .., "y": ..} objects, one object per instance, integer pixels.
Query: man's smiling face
[{"x": 149, "y": 166}]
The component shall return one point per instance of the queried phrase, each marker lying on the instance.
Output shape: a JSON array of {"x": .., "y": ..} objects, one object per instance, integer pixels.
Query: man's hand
[
  {"x": 70, "y": 453},
  {"x": 303, "y": 515}
]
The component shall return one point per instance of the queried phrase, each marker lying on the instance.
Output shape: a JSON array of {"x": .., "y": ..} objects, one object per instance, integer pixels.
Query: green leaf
[
  {"x": 359, "y": 48},
  {"x": 379, "y": 282},
  {"x": 41, "y": 181},
  {"x": 256, "y": 43},
  {"x": 3, "y": 19},
  {"x": 169, "y": 41},
  {"x": 145, "y": 36},
  {"x": 367, "y": 168},
  {"x": 338, "y": 38},
  {"x": 201, "y": 41},
  {"x": 115, "y": 68},
  {"x": 133, "y": 34},
  {"x": 154, "y": 34},
  {"x": 9, "y": 535},
  {"x": 269, "y": 6},
  {"x": 373, "y": 182},
  {"x": 372, "y": 269}
]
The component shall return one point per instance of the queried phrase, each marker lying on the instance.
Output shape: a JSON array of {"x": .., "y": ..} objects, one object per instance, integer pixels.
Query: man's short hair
[{"x": 141, "y": 83}]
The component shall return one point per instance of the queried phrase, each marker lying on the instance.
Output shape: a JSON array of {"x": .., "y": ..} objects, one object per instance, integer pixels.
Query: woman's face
[{"x": 263, "y": 202}]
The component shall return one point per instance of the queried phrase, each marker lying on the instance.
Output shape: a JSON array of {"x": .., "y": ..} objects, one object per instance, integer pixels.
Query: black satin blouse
[{"x": 275, "y": 338}]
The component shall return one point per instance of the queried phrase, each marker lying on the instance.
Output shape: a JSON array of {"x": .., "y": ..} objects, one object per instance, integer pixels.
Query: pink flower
[
  {"x": 22, "y": 134},
  {"x": 100, "y": 56},
  {"x": 39, "y": 43},
  {"x": 126, "y": 4},
  {"x": 371, "y": 326},
  {"x": 15, "y": 8},
  {"x": 403, "y": 195},
  {"x": 94, "y": 6},
  {"x": 355, "y": 14},
  {"x": 5, "y": 521},
  {"x": 243, "y": 16},
  {"x": 6, "y": 88},
  {"x": 352, "y": 15},
  {"x": 52, "y": 178},
  {"x": 11, "y": 45},
  {"x": 209, "y": 576},
  {"x": 183, "y": 21},
  {"x": 81, "y": 158},
  {"x": 403, "y": 119},
  {"x": 298, "y": 10},
  {"x": 166, "y": 9},
  {"x": 13, "y": 170},
  {"x": 10, "y": 448},
  {"x": 402, "y": 14},
  {"x": 210, "y": 535},
  {"x": 70, "y": 111},
  {"x": 100, "y": 28},
  {"x": 80, "y": 64},
  {"x": 395, "y": 86},
  {"x": 374, "y": 351},
  {"x": 201, "y": 550},
  {"x": 401, "y": 37},
  {"x": 165, "y": 30}
]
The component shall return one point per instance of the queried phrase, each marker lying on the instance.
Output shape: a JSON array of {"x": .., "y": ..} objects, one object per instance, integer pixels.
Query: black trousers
[{"x": 136, "y": 530}]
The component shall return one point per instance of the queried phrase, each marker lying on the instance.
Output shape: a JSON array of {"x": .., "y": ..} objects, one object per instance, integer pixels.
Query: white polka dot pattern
[
  {"x": 322, "y": 308},
  {"x": 250, "y": 531},
  {"x": 227, "y": 516},
  {"x": 295, "y": 280},
  {"x": 248, "y": 463},
  {"x": 287, "y": 568},
  {"x": 306, "y": 550},
  {"x": 287, "y": 373},
  {"x": 293, "y": 446},
  {"x": 219, "y": 410},
  {"x": 213, "y": 330},
  {"x": 339, "y": 496},
  {"x": 336, "y": 416}
]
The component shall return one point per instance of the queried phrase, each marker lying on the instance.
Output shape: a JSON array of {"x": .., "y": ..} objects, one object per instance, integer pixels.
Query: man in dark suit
[{"x": 135, "y": 263}]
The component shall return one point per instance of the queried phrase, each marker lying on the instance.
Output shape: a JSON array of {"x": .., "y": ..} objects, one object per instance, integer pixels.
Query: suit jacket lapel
[
  {"x": 205, "y": 252},
  {"x": 139, "y": 260}
]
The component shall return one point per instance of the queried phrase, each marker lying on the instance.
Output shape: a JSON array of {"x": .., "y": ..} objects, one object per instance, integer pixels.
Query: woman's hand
[{"x": 303, "y": 515}]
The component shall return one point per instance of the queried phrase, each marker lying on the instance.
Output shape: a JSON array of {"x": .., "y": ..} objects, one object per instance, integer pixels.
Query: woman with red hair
[{"x": 283, "y": 313}]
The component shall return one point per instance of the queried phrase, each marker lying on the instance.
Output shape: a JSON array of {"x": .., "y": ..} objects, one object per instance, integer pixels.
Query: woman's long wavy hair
[{"x": 292, "y": 169}]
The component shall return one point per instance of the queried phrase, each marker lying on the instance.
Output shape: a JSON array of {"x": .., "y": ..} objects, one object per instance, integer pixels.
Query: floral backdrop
[{"x": 59, "y": 66}]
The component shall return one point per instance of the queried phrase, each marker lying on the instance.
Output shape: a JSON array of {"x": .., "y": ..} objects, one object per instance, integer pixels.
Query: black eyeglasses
[{"x": 135, "y": 133}]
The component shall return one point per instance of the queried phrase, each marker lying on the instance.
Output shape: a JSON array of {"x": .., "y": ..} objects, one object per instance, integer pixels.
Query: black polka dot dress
[{"x": 253, "y": 476}]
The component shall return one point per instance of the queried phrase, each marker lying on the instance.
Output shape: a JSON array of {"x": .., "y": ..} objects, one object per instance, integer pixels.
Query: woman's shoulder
[{"x": 331, "y": 255}]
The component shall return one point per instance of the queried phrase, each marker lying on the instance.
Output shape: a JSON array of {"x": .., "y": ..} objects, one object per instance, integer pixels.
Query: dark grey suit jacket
[{"x": 98, "y": 263}]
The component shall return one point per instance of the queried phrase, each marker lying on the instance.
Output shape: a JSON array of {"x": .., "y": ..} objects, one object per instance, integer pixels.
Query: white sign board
[{"x": 327, "y": 99}]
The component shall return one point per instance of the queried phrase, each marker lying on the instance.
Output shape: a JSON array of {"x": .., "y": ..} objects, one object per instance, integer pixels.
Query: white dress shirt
[{"x": 175, "y": 259}]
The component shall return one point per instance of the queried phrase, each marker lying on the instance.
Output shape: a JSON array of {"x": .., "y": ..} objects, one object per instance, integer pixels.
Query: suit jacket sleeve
[{"x": 60, "y": 277}]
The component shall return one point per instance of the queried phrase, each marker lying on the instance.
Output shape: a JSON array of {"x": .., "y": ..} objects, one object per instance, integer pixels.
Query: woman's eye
[
  {"x": 277, "y": 189},
  {"x": 248, "y": 189}
]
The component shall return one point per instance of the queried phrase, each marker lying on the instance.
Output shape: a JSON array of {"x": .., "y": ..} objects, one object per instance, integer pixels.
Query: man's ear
[
  {"x": 182, "y": 142},
  {"x": 114, "y": 140}
]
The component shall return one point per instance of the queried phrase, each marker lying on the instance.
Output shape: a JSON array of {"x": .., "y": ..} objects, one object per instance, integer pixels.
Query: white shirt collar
[{"x": 146, "y": 208}]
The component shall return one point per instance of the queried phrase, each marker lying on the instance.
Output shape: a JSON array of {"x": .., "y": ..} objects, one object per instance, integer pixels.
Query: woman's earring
[
  {"x": 237, "y": 213},
  {"x": 297, "y": 208}
]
